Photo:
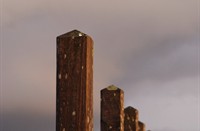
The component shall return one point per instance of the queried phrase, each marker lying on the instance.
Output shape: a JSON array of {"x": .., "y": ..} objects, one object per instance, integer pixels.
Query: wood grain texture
[
  {"x": 112, "y": 109},
  {"x": 141, "y": 126},
  {"x": 74, "y": 98},
  {"x": 131, "y": 119}
]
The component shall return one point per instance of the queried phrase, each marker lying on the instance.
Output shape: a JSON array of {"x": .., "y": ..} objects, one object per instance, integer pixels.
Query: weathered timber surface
[
  {"x": 141, "y": 126},
  {"x": 74, "y": 89},
  {"x": 131, "y": 119},
  {"x": 112, "y": 109}
]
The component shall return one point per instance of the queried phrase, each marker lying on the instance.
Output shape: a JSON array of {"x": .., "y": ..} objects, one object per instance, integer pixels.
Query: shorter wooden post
[
  {"x": 131, "y": 119},
  {"x": 112, "y": 109},
  {"x": 141, "y": 126}
]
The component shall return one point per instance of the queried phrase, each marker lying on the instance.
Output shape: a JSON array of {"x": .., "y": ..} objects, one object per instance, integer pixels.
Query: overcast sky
[{"x": 148, "y": 48}]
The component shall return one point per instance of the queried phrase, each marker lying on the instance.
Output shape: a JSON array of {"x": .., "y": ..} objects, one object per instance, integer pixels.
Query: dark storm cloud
[
  {"x": 19, "y": 120},
  {"x": 166, "y": 60}
]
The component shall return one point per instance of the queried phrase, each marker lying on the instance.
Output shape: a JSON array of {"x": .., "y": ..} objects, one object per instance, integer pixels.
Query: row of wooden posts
[
  {"x": 113, "y": 115},
  {"x": 74, "y": 90}
]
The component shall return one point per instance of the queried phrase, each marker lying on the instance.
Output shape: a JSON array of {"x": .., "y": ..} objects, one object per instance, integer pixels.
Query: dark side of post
[{"x": 74, "y": 85}]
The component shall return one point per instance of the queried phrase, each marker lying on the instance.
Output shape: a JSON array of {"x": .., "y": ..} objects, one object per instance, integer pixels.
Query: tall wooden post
[
  {"x": 112, "y": 109},
  {"x": 74, "y": 97},
  {"x": 131, "y": 119},
  {"x": 141, "y": 126}
]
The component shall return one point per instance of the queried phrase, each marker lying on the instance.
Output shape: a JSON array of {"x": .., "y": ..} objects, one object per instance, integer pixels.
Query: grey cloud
[
  {"x": 27, "y": 121},
  {"x": 164, "y": 61},
  {"x": 159, "y": 109}
]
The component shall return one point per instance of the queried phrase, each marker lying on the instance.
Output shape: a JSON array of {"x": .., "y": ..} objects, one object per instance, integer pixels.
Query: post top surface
[
  {"x": 73, "y": 33},
  {"x": 130, "y": 108},
  {"x": 141, "y": 123},
  {"x": 111, "y": 88}
]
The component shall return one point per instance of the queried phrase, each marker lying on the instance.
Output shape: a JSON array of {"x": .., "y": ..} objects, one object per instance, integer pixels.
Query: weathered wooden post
[
  {"x": 141, "y": 126},
  {"x": 131, "y": 119},
  {"x": 74, "y": 97},
  {"x": 112, "y": 109}
]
